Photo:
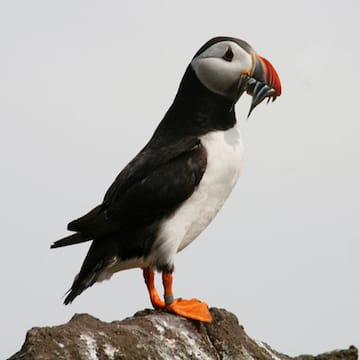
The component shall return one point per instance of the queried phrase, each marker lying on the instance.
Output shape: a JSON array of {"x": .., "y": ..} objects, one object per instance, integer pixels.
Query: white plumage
[
  {"x": 148, "y": 215},
  {"x": 224, "y": 154}
]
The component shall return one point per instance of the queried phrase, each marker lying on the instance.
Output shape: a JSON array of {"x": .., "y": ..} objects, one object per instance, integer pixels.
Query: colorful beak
[{"x": 262, "y": 83}]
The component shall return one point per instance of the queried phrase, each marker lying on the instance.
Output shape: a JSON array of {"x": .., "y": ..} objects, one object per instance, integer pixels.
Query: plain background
[{"x": 82, "y": 86}]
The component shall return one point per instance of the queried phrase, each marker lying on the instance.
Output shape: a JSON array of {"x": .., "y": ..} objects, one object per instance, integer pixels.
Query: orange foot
[{"x": 191, "y": 309}]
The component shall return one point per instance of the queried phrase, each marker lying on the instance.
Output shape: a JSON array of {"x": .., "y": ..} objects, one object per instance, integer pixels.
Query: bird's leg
[
  {"x": 156, "y": 302},
  {"x": 167, "y": 279},
  {"x": 191, "y": 309}
]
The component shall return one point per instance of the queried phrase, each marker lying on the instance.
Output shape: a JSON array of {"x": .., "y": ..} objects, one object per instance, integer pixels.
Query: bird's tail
[
  {"x": 80, "y": 284},
  {"x": 95, "y": 262},
  {"x": 70, "y": 240}
]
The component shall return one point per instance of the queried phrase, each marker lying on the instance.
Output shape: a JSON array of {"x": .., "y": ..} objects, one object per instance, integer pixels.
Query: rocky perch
[{"x": 151, "y": 334}]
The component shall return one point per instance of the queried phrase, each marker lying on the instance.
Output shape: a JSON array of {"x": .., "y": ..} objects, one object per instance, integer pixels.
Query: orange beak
[{"x": 263, "y": 82}]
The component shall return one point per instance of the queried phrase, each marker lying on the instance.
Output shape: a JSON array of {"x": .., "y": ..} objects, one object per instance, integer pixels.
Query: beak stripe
[{"x": 272, "y": 78}]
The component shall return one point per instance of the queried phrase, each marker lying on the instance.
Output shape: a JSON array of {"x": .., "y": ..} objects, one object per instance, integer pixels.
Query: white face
[{"x": 219, "y": 67}]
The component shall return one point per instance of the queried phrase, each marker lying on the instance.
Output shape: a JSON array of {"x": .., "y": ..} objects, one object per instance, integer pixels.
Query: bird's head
[{"x": 229, "y": 67}]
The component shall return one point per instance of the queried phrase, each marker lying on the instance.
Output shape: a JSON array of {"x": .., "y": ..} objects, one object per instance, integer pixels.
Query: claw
[{"x": 191, "y": 309}]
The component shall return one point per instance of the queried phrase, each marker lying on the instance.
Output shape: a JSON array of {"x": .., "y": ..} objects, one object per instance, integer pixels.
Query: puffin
[{"x": 173, "y": 188}]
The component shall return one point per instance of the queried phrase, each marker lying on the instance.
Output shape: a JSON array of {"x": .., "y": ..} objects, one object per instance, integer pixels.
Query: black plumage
[
  {"x": 152, "y": 186},
  {"x": 162, "y": 200}
]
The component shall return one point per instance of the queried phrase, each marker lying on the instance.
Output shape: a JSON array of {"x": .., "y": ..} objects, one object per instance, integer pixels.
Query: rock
[{"x": 152, "y": 334}]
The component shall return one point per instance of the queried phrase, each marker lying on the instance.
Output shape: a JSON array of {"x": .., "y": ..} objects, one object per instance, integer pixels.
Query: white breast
[{"x": 224, "y": 155}]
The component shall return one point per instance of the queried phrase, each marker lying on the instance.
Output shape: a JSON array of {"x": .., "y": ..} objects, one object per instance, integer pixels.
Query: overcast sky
[{"x": 83, "y": 84}]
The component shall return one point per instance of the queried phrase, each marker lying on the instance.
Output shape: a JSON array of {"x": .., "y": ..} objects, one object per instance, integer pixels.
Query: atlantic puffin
[{"x": 168, "y": 194}]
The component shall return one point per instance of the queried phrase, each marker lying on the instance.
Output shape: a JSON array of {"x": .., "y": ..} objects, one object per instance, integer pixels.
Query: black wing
[{"x": 154, "y": 184}]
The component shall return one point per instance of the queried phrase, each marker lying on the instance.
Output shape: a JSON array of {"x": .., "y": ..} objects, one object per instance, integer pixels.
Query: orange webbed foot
[{"x": 191, "y": 309}]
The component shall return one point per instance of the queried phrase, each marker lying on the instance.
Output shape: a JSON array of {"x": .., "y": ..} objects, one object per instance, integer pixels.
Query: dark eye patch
[{"x": 229, "y": 55}]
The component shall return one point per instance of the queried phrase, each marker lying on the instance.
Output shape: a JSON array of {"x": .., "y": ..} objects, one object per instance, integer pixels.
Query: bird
[{"x": 173, "y": 188}]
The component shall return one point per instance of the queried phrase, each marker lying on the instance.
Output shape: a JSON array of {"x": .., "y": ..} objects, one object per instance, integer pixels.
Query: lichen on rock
[{"x": 153, "y": 335}]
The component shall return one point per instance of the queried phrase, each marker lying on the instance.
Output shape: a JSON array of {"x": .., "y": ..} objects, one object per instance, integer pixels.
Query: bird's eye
[{"x": 229, "y": 55}]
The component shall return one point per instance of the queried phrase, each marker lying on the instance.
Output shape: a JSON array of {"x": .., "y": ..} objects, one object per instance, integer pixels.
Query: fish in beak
[{"x": 261, "y": 83}]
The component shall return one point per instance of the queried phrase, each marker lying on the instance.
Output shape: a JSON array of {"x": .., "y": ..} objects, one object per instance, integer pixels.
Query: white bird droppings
[
  {"x": 267, "y": 349},
  {"x": 109, "y": 351},
  {"x": 90, "y": 345}
]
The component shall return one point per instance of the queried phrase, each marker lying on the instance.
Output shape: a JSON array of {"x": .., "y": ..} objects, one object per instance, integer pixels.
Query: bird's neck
[{"x": 195, "y": 111}]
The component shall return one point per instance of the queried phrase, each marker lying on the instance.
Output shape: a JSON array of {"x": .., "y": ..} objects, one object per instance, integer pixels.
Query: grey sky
[{"x": 82, "y": 86}]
